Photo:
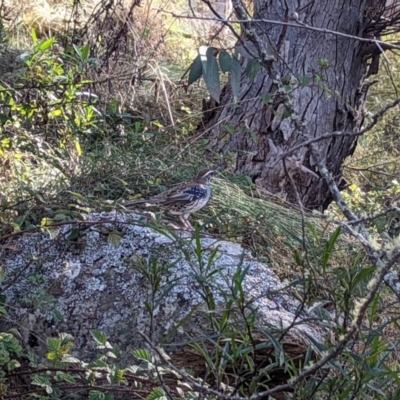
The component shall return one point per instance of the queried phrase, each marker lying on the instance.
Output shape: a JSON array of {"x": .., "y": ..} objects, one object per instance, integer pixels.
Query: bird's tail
[{"x": 134, "y": 203}]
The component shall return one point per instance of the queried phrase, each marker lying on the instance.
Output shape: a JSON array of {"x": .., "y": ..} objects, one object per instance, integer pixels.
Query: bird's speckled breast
[{"x": 200, "y": 195}]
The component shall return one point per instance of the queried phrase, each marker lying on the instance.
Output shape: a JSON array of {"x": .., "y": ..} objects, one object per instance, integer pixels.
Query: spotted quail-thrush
[{"x": 185, "y": 198}]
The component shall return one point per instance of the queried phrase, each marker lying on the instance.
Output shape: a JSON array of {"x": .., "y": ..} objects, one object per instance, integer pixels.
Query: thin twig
[{"x": 384, "y": 45}]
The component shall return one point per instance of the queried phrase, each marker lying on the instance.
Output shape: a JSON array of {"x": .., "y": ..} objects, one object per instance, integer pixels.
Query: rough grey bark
[{"x": 326, "y": 76}]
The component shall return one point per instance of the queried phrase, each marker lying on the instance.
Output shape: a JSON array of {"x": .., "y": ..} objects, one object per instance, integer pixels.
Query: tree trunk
[{"x": 323, "y": 75}]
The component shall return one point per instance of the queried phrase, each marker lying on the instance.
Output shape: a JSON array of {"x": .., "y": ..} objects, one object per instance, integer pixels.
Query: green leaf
[
  {"x": 245, "y": 50},
  {"x": 142, "y": 355},
  {"x": 34, "y": 37},
  {"x": 77, "y": 50},
  {"x": 53, "y": 344},
  {"x": 157, "y": 394},
  {"x": 196, "y": 70},
  {"x": 14, "y": 332},
  {"x": 13, "y": 364},
  {"x": 42, "y": 381},
  {"x": 225, "y": 61},
  {"x": 55, "y": 113},
  {"x": 303, "y": 80},
  {"x": 46, "y": 221},
  {"x": 74, "y": 234},
  {"x": 78, "y": 197},
  {"x": 327, "y": 253},
  {"x": 46, "y": 44},
  {"x": 211, "y": 75},
  {"x": 85, "y": 52},
  {"x": 69, "y": 359},
  {"x": 212, "y": 257},
  {"x": 57, "y": 315},
  {"x": 64, "y": 377},
  {"x": 78, "y": 147},
  {"x": 364, "y": 274},
  {"x": 119, "y": 376},
  {"x": 99, "y": 337},
  {"x": 97, "y": 395},
  {"x": 252, "y": 69},
  {"x": 235, "y": 78},
  {"x": 230, "y": 128},
  {"x": 52, "y": 356},
  {"x": 266, "y": 98},
  {"x": 115, "y": 238},
  {"x": 98, "y": 364}
]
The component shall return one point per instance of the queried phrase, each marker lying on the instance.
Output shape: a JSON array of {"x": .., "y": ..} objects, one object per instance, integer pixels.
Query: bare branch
[
  {"x": 375, "y": 119},
  {"x": 314, "y": 140},
  {"x": 379, "y": 114},
  {"x": 376, "y": 42}
]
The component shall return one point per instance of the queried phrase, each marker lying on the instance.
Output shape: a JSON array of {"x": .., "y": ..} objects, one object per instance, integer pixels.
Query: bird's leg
[{"x": 186, "y": 223}]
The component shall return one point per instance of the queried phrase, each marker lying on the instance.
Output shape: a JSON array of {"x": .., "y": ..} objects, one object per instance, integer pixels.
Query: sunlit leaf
[{"x": 46, "y": 44}]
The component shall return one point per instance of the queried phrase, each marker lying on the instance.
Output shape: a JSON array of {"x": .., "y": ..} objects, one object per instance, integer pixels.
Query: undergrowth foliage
[{"x": 241, "y": 355}]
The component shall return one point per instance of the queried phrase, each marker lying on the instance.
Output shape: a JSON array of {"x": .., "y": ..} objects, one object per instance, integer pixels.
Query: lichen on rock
[{"x": 146, "y": 281}]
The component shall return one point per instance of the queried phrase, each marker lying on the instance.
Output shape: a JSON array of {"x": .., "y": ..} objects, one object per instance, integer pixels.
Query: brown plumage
[{"x": 185, "y": 198}]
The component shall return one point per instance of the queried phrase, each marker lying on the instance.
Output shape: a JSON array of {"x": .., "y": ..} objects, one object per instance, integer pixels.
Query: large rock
[{"x": 106, "y": 273}]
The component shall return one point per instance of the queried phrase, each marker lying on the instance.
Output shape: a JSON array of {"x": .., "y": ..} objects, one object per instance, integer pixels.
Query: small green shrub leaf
[
  {"x": 46, "y": 44},
  {"x": 85, "y": 52},
  {"x": 143, "y": 355},
  {"x": 78, "y": 196},
  {"x": 328, "y": 251},
  {"x": 42, "y": 381},
  {"x": 115, "y": 238},
  {"x": 97, "y": 395},
  {"x": 34, "y": 37},
  {"x": 64, "y": 377},
  {"x": 74, "y": 234},
  {"x": 266, "y": 98},
  {"x": 53, "y": 344},
  {"x": 157, "y": 394},
  {"x": 13, "y": 364},
  {"x": 99, "y": 337}
]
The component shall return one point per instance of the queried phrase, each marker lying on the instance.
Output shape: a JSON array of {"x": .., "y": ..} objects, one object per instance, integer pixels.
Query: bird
[{"x": 185, "y": 198}]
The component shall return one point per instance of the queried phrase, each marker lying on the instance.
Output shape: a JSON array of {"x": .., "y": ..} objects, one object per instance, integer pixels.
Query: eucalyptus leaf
[
  {"x": 225, "y": 61},
  {"x": 235, "y": 78},
  {"x": 211, "y": 75},
  {"x": 196, "y": 70},
  {"x": 203, "y": 56}
]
